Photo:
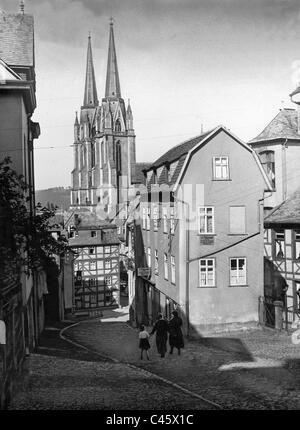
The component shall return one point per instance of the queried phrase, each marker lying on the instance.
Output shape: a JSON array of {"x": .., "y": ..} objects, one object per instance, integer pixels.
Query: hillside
[{"x": 59, "y": 196}]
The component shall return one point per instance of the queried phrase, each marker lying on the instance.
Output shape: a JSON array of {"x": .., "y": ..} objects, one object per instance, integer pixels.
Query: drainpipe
[{"x": 187, "y": 271}]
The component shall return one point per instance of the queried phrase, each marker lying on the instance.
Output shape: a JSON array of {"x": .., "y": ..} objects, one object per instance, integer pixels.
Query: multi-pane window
[
  {"x": 207, "y": 272},
  {"x": 237, "y": 219},
  {"x": 297, "y": 244},
  {"x": 206, "y": 220},
  {"x": 165, "y": 219},
  {"x": 279, "y": 243},
  {"x": 238, "y": 274},
  {"x": 156, "y": 262},
  {"x": 221, "y": 167},
  {"x": 149, "y": 256},
  {"x": 172, "y": 220},
  {"x": 173, "y": 276},
  {"x": 268, "y": 162},
  {"x": 155, "y": 217},
  {"x": 166, "y": 269}
]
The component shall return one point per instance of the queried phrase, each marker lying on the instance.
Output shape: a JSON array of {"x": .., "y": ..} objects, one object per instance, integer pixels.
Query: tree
[{"x": 26, "y": 242}]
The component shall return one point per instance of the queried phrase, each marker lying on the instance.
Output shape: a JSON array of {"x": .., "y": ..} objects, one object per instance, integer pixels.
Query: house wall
[
  {"x": 224, "y": 304},
  {"x": 13, "y": 131},
  {"x": 288, "y": 267}
]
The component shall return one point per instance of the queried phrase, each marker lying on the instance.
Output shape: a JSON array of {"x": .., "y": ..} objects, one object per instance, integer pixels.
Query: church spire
[
  {"x": 112, "y": 88},
  {"x": 90, "y": 91}
]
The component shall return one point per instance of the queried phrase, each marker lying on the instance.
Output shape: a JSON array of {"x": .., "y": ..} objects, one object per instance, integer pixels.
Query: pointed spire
[
  {"x": 129, "y": 111},
  {"x": 76, "y": 118},
  {"x": 90, "y": 91},
  {"x": 112, "y": 88}
]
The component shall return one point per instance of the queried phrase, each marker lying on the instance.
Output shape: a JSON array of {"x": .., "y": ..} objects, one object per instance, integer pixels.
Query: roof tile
[{"x": 17, "y": 39}]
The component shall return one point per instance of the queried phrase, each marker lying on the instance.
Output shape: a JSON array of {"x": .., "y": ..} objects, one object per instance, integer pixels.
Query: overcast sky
[{"x": 182, "y": 63}]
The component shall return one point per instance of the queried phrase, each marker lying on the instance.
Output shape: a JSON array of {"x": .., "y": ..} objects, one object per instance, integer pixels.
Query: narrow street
[{"x": 95, "y": 364}]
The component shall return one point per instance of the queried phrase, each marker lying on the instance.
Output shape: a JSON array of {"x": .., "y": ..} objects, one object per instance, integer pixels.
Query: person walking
[
  {"x": 161, "y": 330},
  {"x": 175, "y": 333},
  {"x": 144, "y": 344}
]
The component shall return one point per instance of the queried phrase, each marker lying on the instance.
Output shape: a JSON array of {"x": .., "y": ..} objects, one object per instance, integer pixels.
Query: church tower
[{"x": 104, "y": 144}]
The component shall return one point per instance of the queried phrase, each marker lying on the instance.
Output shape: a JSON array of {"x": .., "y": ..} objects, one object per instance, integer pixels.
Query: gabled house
[
  {"x": 21, "y": 299},
  {"x": 96, "y": 269},
  {"x": 202, "y": 233},
  {"x": 282, "y": 254}
]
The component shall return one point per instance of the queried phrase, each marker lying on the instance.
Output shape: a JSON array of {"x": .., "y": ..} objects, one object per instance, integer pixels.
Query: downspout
[{"x": 187, "y": 271}]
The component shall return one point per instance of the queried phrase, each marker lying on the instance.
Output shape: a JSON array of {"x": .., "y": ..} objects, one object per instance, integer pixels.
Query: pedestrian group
[{"x": 162, "y": 328}]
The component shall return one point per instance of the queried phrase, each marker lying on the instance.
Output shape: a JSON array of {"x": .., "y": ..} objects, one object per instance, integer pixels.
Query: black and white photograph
[{"x": 149, "y": 208}]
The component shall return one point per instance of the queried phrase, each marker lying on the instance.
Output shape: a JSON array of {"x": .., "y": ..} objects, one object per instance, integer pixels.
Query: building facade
[
  {"x": 21, "y": 299},
  {"x": 282, "y": 254},
  {"x": 104, "y": 143},
  {"x": 202, "y": 233},
  {"x": 96, "y": 269}
]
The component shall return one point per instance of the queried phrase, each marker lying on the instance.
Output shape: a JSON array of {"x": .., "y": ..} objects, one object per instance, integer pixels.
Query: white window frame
[
  {"x": 166, "y": 267},
  {"x": 155, "y": 217},
  {"x": 172, "y": 220},
  {"x": 221, "y": 165},
  {"x": 165, "y": 219},
  {"x": 173, "y": 270},
  {"x": 149, "y": 256},
  {"x": 206, "y": 270},
  {"x": 206, "y": 208},
  {"x": 156, "y": 262},
  {"x": 243, "y": 280}
]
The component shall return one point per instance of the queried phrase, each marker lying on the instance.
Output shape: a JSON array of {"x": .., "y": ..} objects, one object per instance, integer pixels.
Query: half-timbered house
[
  {"x": 96, "y": 268},
  {"x": 282, "y": 255}
]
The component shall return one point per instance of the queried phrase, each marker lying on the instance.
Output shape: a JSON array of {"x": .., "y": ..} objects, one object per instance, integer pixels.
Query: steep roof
[
  {"x": 184, "y": 152},
  {"x": 17, "y": 39},
  {"x": 179, "y": 150},
  {"x": 106, "y": 235},
  {"x": 286, "y": 213},
  {"x": 139, "y": 177},
  {"x": 283, "y": 126}
]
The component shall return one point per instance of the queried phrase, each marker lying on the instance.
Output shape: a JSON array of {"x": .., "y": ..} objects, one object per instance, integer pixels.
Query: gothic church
[{"x": 105, "y": 167}]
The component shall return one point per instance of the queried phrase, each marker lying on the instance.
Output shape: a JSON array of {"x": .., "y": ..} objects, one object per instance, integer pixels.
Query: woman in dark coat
[
  {"x": 175, "y": 333},
  {"x": 161, "y": 329}
]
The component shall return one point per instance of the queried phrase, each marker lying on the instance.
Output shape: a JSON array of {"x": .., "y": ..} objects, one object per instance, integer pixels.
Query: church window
[
  {"x": 118, "y": 126},
  {"x": 119, "y": 157},
  {"x": 93, "y": 154},
  {"x": 268, "y": 162}
]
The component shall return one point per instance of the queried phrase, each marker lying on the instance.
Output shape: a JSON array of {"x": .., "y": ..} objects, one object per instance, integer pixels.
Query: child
[{"x": 144, "y": 344}]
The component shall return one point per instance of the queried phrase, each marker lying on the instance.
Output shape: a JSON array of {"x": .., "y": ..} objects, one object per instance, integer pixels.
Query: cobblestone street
[{"x": 243, "y": 370}]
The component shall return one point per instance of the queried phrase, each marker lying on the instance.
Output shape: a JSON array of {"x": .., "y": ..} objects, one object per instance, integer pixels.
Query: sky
[{"x": 185, "y": 65}]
